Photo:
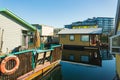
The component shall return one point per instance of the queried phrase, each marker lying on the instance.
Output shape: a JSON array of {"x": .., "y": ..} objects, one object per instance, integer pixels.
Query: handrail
[
  {"x": 32, "y": 50},
  {"x": 54, "y": 45},
  {"x": 41, "y": 51}
]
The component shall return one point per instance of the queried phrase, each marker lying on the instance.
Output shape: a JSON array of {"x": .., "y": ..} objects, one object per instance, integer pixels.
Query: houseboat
[
  {"x": 21, "y": 55},
  {"x": 77, "y": 39}
]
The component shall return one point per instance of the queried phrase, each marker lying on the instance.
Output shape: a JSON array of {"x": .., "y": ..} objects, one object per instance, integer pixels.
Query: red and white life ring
[{"x": 3, "y": 65}]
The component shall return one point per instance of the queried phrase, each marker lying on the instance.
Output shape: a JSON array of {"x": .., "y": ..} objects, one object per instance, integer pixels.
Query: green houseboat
[{"x": 22, "y": 54}]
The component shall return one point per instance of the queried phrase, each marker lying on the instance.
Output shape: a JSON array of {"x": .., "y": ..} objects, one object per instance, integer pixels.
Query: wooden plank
[{"x": 39, "y": 70}]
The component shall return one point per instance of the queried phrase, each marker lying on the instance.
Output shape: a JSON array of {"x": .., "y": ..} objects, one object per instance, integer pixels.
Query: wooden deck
[{"x": 38, "y": 70}]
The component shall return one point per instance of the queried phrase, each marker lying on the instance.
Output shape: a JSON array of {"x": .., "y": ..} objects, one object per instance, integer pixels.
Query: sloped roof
[
  {"x": 11, "y": 14},
  {"x": 81, "y": 31}
]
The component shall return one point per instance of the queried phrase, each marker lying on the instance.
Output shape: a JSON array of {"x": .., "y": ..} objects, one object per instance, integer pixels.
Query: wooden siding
[
  {"x": 77, "y": 40},
  {"x": 12, "y": 36},
  {"x": 118, "y": 64}
]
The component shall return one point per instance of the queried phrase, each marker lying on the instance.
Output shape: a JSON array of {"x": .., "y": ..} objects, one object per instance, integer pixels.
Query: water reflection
[
  {"x": 106, "y": 55},
  {"x": 91, "y": 57},
  {"x": 84, "y": 65},
  {"x": 100, "y": 65}
]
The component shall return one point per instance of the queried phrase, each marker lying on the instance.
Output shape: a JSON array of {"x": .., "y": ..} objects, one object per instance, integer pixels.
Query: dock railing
[{"x": 29, "y": 59}]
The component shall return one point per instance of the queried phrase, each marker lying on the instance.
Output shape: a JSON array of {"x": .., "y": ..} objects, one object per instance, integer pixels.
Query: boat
[{"x": 30, "y": 63}]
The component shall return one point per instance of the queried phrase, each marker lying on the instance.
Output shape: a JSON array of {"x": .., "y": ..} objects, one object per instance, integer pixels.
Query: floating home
[
  {"x": 14, "y": 30},
  {"x": 46, "y": 32},
  {"x": 115, "y": 41},
  {"x": 29, "y": 62},
  {"x": 74, "y": 38}
]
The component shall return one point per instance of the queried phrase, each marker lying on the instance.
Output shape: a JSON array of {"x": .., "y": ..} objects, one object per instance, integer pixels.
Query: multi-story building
[
  {"x": 106, "y": 23},
  {"x": 101, "y": 22}
]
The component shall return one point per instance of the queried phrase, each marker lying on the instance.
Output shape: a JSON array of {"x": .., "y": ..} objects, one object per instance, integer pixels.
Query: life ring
[{"x": 3, "y": 65}]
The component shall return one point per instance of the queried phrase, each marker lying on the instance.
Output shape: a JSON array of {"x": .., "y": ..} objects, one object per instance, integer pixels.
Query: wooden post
[
  {"x": 44, "y": 57},
  {"x": 89, "y": 40},
  {"x": 1, "y": 41},
  {"x": 50, "y": 58}
]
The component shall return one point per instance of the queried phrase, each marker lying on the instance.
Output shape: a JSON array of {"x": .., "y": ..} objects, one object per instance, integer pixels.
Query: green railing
[{"x": 34, "y": 52}]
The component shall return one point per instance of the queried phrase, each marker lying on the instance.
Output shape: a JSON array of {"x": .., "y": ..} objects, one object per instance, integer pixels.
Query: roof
[
  {"x": 11, "y": 14},
  {"x": 105, "y": 17},
  {"x": 81, "y": 31},
  {"x": 117, "y": 35}
]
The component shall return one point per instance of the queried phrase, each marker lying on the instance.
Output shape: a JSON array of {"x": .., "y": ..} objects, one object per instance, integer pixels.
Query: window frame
[
  {"x": 83, "y": 40},
  {"x": 70, "y": 37}
]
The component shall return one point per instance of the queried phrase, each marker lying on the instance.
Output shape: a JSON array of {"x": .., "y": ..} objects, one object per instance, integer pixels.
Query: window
[
  {"x": 71, "y": 57},
  {"x": 85, "y": 38},
  {"x": 84, "y": 58},
  {"x": 72, "y": 37},
  {"x": 30, "y": 39}
]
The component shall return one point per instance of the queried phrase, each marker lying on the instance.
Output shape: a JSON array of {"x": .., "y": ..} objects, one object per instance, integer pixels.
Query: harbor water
[{"x": 84, "y": 65}]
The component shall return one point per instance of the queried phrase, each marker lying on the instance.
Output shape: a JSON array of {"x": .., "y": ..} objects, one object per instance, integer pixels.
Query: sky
[{"x": 58, "y": 13}]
